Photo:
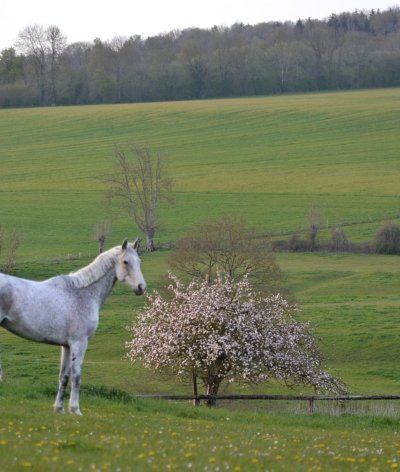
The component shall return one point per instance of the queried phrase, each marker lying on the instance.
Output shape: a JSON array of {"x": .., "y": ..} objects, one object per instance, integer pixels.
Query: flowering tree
[{"x": 224, "y": 330}]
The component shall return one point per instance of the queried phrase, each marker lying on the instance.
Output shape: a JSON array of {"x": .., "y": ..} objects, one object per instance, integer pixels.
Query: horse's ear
[
  {"x": 124, "y": 244},
  {"x": 136, "y": 244}
]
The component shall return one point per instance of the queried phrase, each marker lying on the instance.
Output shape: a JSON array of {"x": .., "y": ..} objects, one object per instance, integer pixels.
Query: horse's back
[{"x": 41, "y": 311}]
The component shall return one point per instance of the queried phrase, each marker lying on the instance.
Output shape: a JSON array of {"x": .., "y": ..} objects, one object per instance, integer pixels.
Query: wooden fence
[{"x": 311, "y": 399}]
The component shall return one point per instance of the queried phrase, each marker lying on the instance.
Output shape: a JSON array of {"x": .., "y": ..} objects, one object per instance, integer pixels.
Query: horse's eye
[{"x": 126, "y": 262}]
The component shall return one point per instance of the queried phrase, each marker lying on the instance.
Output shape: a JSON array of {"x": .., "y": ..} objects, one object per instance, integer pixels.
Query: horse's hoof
[
  {"x": 59, "y": 409},
  {"x": 75, "y": 411}
]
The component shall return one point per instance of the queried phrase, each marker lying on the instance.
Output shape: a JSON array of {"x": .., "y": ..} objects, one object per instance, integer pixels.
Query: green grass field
[{"x": 267, "y": 158}]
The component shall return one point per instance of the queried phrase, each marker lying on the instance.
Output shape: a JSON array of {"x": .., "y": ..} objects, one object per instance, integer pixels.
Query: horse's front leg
[
  {"x": 78, "y": 350},
  {"x": 65, "y": 370}
]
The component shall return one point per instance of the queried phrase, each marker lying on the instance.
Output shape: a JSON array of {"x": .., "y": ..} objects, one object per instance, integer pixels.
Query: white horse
[{"x": 64, "y": 310}]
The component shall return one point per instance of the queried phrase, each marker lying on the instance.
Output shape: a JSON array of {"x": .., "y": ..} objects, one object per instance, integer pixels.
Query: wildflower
[{"x": 140, "y": 456}]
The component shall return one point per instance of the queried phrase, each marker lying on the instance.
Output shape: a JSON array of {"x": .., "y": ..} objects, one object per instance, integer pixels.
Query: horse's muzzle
[{"x": 140, "y": 289}]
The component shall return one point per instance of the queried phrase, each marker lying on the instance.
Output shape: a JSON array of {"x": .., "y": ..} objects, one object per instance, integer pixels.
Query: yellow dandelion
[
  {"x": 192, "y": 445},
  {"x": 374, "y": 459},
  {"x": 173, "y": 434},
  {"x": 3, "y": 443},
  {"x": 237, "y": 469},
  {"x": 212, "y": 459},
  {"x": 394, "y": 465},
  {"x": 254, "y": 461},
  {"x": 27, "y": 464},
  {"x": 152, "y": 453},
  {"x": 279, "y": 457},
  {"x": 70, "y": 462},
  {"x": 140, "y": 456},
  {"x": 363, "y": 460},
  {"x": 350, "y": 459}
]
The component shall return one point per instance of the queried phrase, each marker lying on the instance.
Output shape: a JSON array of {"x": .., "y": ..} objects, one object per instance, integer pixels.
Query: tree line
[{"x": 359, "y": 49}]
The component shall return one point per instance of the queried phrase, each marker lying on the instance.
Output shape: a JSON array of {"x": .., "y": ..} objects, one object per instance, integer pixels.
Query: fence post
[
  {"x": 311, "y": 405},
  {"x": 196, "y": 402}
]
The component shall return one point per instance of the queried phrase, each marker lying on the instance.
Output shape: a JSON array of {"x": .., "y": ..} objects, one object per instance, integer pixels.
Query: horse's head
[{"x": 128, "y": 268}]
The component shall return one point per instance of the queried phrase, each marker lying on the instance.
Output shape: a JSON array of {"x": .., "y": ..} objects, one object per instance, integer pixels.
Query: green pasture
[
  {"x": 267, "y": 158},
  {"x": 123, "y": 434}
]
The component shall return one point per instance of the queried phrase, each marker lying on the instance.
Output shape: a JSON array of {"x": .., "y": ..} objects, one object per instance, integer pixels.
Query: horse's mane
[{"x": 95, "y": 270}]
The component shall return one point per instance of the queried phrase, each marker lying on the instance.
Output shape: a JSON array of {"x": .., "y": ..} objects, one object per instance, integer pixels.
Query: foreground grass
[{"x": 126, "y": 434}]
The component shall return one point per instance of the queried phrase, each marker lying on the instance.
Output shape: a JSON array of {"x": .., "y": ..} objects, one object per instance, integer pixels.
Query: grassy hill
[{"x": 267, "y": 158}]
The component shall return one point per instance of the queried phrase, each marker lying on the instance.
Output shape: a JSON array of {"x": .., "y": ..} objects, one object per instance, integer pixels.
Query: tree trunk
[
  {"x": 195, "y": 402},
  {"x": 150, "y": 241},
  {"x": 212, "y": 389},
  {"x": 102, "y": 240}
]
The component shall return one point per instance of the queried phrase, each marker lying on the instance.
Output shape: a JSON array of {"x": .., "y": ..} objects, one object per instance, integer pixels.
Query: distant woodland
[{"x": 359, "y": 49}]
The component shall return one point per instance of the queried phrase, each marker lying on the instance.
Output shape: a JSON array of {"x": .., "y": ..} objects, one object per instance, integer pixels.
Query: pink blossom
[{"x": 224, "y": 330}]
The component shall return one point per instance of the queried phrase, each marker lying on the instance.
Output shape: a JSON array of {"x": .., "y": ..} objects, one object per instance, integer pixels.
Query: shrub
[{"x": 387, "y": 239}]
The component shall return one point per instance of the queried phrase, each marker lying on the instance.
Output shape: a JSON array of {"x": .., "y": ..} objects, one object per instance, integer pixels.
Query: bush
[{"x": 387, "y": 239}]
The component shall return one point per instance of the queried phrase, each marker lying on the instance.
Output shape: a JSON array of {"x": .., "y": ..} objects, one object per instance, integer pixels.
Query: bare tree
[
  {"x": 315, "y": 220},
  {"x": 318, "y": 43},
  {"x": 339, "y": 238},
  {"x": 138, "y": 185},
  {"x": 42, "y": 48},
  {"x": 226, "y": 245},
  {"x": 102, "y": 231},
  {"x": 32, "y": 42},
  {"x": 8, "y": 250},
  {"x": 282, "y": 57},
  {"x": 57, "y": 42}
]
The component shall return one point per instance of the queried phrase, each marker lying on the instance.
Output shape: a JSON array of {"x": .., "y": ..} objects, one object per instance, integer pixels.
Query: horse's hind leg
[
  {"x": 77, "y": 354},
  {"x": 65, "y": 371}
]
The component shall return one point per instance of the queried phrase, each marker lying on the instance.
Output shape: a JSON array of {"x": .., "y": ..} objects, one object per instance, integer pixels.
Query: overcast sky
[{"x": 84, "y": 20}]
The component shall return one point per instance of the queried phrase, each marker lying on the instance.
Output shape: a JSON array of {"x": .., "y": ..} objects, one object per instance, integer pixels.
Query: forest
[{"x": 351, "y": 50}]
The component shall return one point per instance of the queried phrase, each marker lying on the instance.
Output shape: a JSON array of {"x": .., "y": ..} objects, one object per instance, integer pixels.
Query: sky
[{"x": 84, "y": 20}]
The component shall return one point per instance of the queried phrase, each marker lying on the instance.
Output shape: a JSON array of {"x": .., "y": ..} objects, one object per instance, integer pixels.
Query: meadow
[{"x": 267, "y": 158}]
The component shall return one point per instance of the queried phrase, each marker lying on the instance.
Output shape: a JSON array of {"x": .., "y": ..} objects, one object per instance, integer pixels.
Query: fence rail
[{"x": 310, "y": 398}]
